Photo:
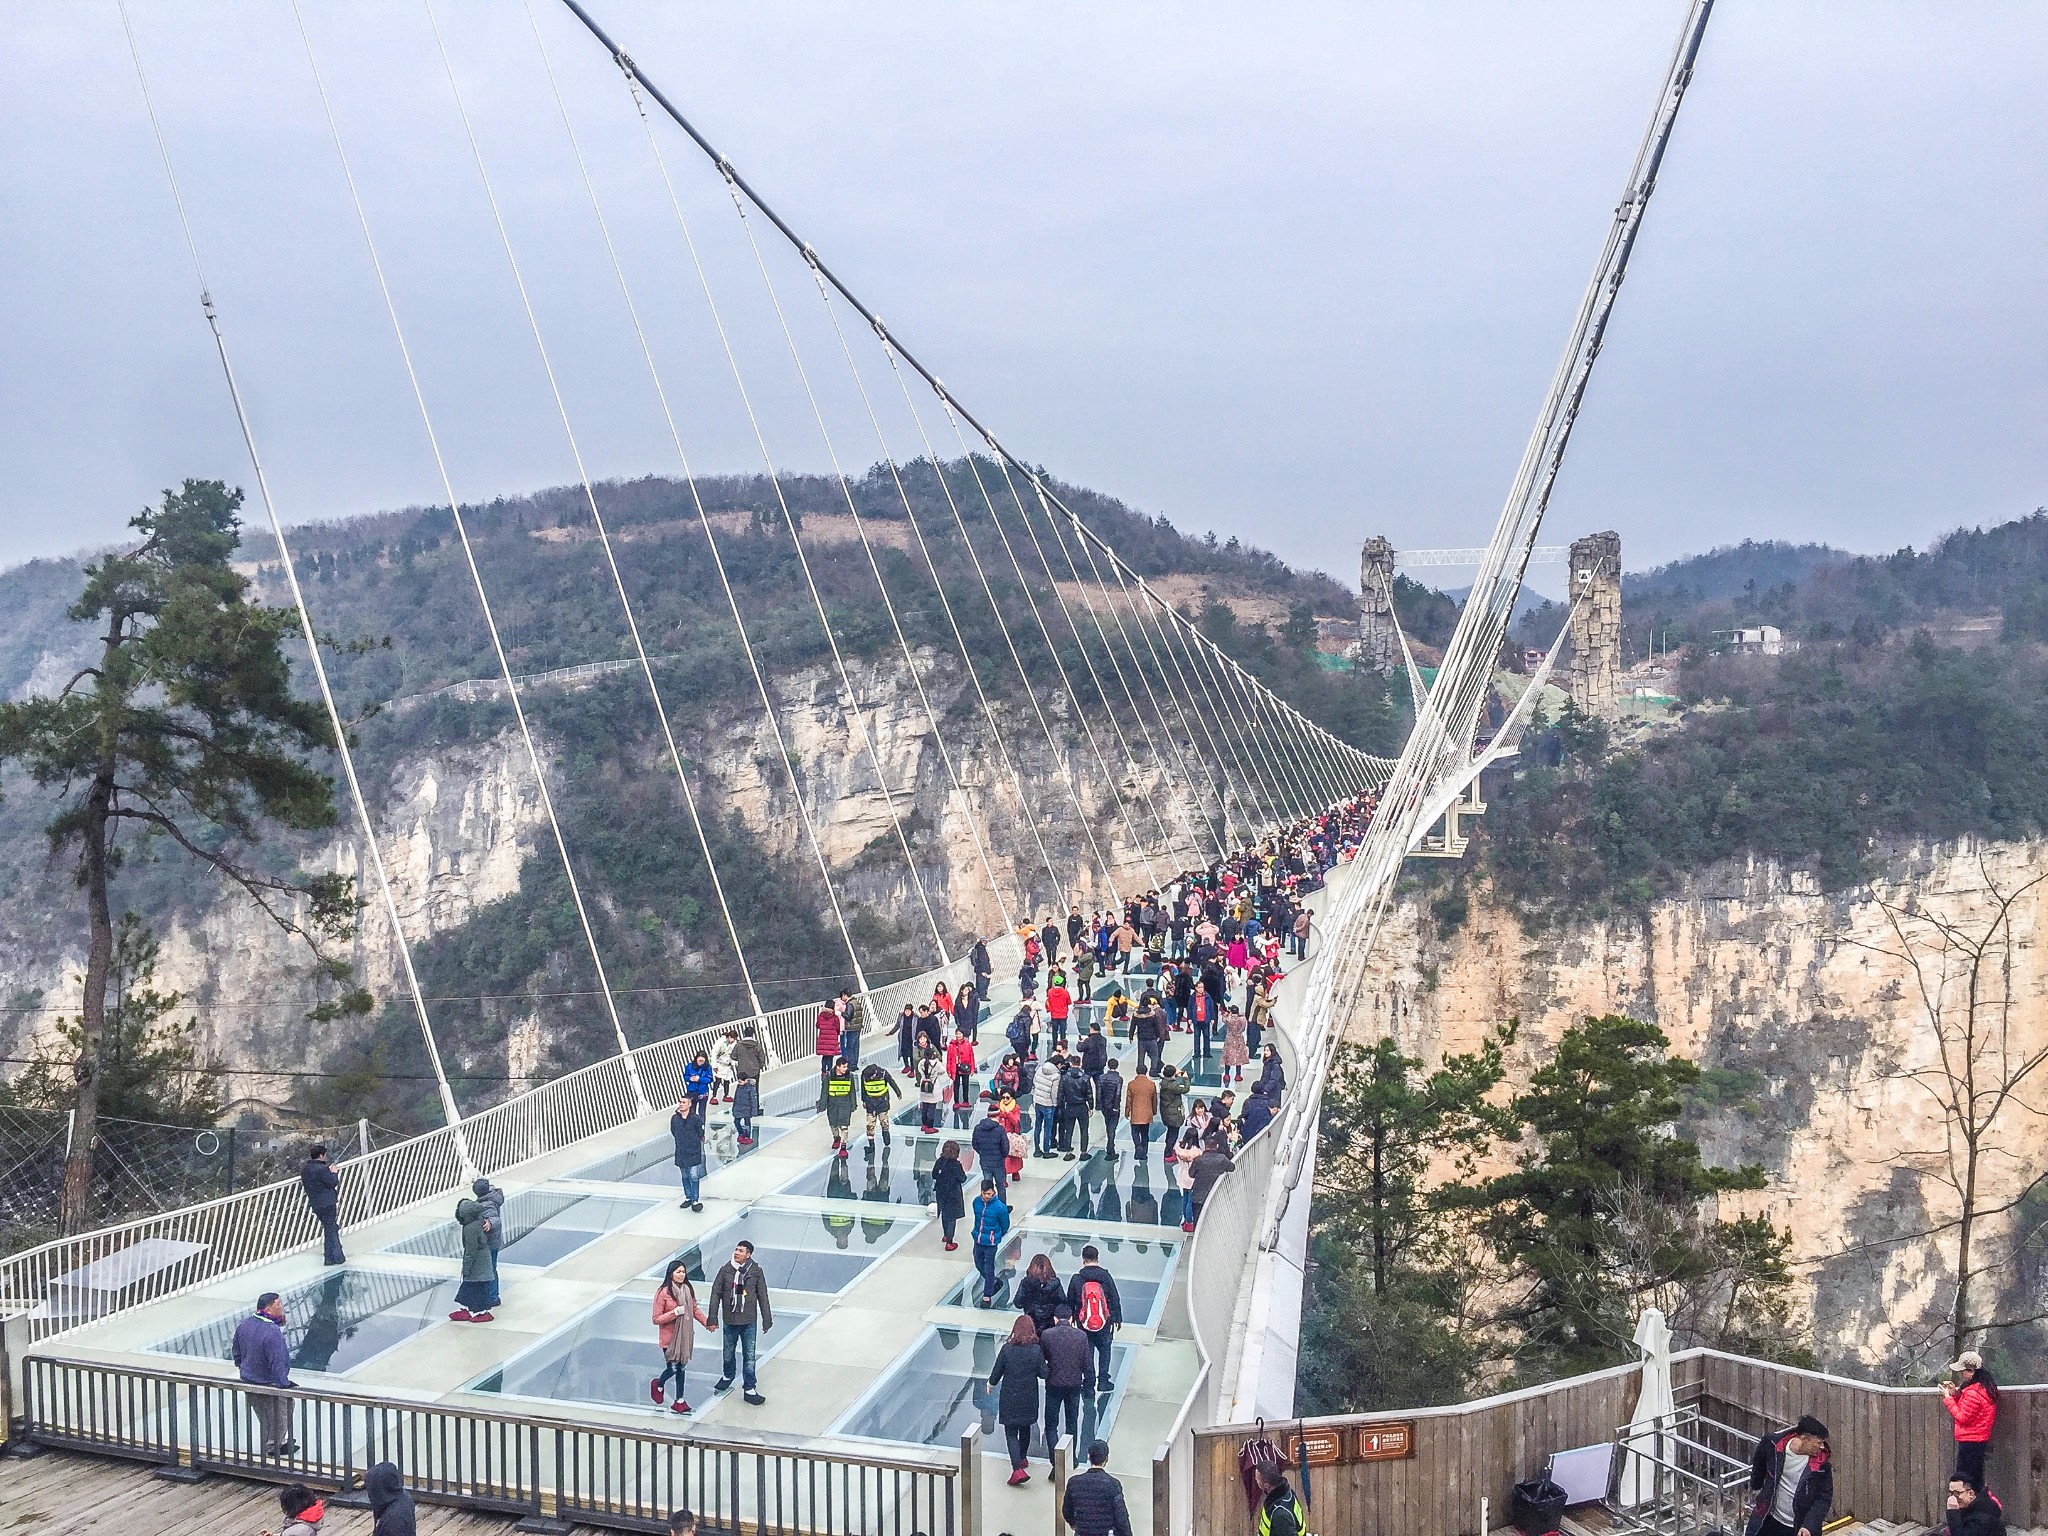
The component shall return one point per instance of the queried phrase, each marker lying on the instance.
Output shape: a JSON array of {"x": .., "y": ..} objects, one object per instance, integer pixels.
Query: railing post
[
  {"x": 969, "y": 1497},
  {"x": 1162, "y": 1490},
  {"x": 1059, "y": 1482}
]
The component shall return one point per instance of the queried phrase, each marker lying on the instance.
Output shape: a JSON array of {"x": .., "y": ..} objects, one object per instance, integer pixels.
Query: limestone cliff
[
  {"x": 459, "y": 822},
  {"x": 1825, "y": 1057}
]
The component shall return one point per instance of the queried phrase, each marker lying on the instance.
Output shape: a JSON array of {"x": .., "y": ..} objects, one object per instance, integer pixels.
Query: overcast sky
[{"x": 1296, "y": 272}]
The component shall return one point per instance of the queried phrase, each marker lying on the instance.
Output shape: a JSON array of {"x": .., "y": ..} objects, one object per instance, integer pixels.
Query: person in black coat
[
  {"x": 949, "y": 1190},
  {"x": 1792, "y": 1484},
  {"x": 1972, "y": 1511},
  {"x": 1039, "y": 1294},
  {"x": 390, "y": 1504},
  {"x": 1019, "y": 1367},
  {"x": 686, "y": 1130},
  {"x": 1091, "y": 1272},
  {"x": 1094, "y": 1505},
  {"x": 323, "y": 1193},
  {"x": 1066, "y": 1369},
  {"x": 1258, "y": 1113},
  {"x": 991, "y": 1145},
  {"x": 1076, "y": 1107}
]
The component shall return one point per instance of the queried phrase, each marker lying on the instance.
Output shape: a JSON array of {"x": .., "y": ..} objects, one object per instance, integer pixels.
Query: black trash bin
[{"x": 1537, "y": 1507}]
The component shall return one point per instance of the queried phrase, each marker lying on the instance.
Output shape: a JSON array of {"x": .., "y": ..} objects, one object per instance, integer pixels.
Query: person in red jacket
[
  {"x": 1059, "y": 1002},
  {"x": 1972, "y": 1401},
  {"x": 828, "y": 1046}
]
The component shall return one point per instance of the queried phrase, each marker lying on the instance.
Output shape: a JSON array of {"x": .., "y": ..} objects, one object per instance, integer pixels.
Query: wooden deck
[{"x": 58, "y": 1494}]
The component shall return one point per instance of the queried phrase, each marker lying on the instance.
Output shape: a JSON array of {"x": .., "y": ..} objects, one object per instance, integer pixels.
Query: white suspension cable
[
  {"x": 782, "y": 751},
  {"x": 450, "y": 1113},
  {"x": 483, "y": 598},
  {"x": 803, "y": 561},
  {"x": 938, "y": 586},
  {"x": 988, "y": 711},
  {"x": 1181, "y": 799},
  {"x": 1112, "y": 781},
  {"x": 1101, "y": 693},
  {"x": 661, "y": 711},
  {"x": 1016, "y": 658},
  {"x": 1211, "y": 775}
]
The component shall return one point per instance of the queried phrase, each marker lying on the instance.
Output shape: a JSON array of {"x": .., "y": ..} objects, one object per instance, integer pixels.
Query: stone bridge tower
[
  {"x": 1377, "y": 647},
  {"x": 1595, "y": 677}
]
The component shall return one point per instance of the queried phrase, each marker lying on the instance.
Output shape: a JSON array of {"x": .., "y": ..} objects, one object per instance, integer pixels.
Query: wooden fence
[{"x": 1892, "y": 1447}]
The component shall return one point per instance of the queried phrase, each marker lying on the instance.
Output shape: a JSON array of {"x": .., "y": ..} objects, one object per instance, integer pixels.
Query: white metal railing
[{"x": 71, "y": 1281}]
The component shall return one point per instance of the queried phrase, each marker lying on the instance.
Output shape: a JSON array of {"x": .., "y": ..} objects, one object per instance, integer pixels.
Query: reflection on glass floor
[
  {"x": 337, "y": 1322},
  {"x": 898, "y": 1174},
  {"x": 542, "y": 1227},
  {"x": 822, "y": 1252},
  {"x": 1142, "y": 1267},
  {"x": 939, "y": 1387},
  {"x": 654, "y": 1162},
  {"x": 609, "y": 1354},
  {"x": 1133, "y": 1193}
]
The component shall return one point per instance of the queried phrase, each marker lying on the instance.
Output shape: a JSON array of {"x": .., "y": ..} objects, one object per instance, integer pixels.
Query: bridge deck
[{"x": 876, "y": 1336}]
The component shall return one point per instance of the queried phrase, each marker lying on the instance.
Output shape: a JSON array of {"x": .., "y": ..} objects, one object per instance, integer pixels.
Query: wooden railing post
[
  {"x": 1059, "y": 1482},
  {"x": 1162, "y": 1490}
]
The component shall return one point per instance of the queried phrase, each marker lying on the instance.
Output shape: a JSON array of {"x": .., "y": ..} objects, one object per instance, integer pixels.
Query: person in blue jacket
[
  {"x": 697, "y": 1080},
  {"x": 262, "y": 1359},
  {"x": 991, "y": 1226}
]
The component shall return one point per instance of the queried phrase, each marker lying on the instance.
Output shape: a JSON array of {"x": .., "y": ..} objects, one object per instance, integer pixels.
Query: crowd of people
[{"x": 1102, "y": 995}]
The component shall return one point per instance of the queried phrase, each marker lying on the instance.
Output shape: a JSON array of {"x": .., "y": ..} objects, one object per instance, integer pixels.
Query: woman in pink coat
[{"x": 676, "y": 1320}]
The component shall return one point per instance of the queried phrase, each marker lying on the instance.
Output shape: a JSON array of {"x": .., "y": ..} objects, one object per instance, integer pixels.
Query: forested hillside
[
  {"x": 498, "y": 942},
  {"x": 1914, "y": 706}
]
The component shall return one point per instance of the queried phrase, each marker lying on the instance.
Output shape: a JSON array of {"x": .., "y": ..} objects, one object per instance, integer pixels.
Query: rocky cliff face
[
  {"x": 457, "y": 824},
  {"x": 1832, "y": 1027}
]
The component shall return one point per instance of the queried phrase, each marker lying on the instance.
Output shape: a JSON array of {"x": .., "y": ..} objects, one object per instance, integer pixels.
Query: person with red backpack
[{"x": 1098, "y": 1313}]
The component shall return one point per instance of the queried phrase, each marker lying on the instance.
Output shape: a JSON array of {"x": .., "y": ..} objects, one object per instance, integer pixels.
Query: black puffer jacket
[
  {"x": 389, "y": 1502},
  {"x": 1039, "y": 1299},
  {"x": 1094, "y": 1505},
  {"x": 1982, "y": 1518},
  {"x": 1018, "y": 1370}
]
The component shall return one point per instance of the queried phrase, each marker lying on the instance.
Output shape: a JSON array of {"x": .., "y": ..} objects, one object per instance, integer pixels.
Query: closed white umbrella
[{"x": 1654, "y": 1406}]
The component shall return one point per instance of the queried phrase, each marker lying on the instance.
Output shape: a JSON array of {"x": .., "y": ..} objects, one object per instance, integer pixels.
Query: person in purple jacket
[{"x": 263, "y": 1360}]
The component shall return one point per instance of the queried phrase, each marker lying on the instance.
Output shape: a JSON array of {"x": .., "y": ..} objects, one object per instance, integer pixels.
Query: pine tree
[{"x": 183, "y": 732}]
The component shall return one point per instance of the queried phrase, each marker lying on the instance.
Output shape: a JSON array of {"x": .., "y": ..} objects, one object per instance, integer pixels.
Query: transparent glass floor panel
[
  {"x": 1141, "y": 1266},
  {"x": 898, "y": 1174},
  {"x": 939, "y": 1387},
  {"x": 822, "y": 1253},
  {"x": 609, "y": 1355},
  {"x": 653, "y": 1162},
  {"x": 542, "y": 1227},
  {"x": 799, "y": 1098},
  {"x": 336, "y": 1322},
  {"x": 1127, "y": 1192}
]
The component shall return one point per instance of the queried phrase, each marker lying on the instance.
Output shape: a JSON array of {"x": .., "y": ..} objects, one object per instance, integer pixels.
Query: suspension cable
[
  {"x": 449, "y": 1111},
  {"x": 938, "y": 586},
  {"x": 782, "y": 751},
  {"x": 1101, "y": 693},
  {"x": 1095, "y": 616},
  {"x": 846, "y": 684},
  {"x": 1117, "y": 666},
  {"x": 661, "y": 711}
]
